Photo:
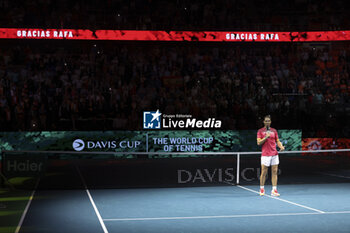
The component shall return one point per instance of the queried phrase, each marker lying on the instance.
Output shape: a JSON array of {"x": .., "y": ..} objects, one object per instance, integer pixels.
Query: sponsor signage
[
  {"x": 218, "y": 175},
  {"x": 205, "y": 175},
  {"x": 24, "y": 165},
  {"x": 79, "y": 145},
  {"x": 155, "y": 140}
]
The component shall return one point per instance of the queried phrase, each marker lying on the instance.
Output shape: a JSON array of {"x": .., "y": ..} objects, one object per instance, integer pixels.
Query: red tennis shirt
[{"x": 269, "y": 146}]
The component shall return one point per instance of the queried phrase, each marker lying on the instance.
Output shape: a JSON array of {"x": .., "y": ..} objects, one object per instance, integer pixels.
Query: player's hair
[{"x": 267, "y": 116}]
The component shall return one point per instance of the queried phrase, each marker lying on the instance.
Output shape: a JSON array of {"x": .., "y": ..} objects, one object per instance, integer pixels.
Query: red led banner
[
  {"x": 325, "y": 144},
  {"x": 205, "y": 36}
]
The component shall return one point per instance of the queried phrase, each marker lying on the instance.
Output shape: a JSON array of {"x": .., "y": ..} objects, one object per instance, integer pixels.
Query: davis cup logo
[
  {"x": 78, "y": 145},
  {"x": 151, "y": 120}
]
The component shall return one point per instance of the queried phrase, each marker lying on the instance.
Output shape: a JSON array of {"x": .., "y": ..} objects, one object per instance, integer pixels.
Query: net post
[{"x": 237, "y": 175}]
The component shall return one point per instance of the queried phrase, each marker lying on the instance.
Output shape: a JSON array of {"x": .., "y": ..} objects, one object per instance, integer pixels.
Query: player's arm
[
  {"x": 279, "y": 144},
  {"x": 261, "y": 141}
]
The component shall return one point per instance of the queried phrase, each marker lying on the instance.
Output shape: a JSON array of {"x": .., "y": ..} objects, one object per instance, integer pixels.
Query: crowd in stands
[
  {"x": 107, "y": 86},
  {"x": 236, "y": 15},
  {"x": 66, "y": 85}
]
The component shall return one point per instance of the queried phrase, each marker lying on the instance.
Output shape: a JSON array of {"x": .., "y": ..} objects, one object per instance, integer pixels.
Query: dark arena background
[{"x": 142, "y": 115}]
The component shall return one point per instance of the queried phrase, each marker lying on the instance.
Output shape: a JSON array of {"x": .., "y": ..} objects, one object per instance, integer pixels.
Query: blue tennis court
[{"x": 226, "y": 208}]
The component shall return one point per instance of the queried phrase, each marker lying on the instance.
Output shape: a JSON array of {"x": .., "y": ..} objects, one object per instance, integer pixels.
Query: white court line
[
  {"x": 280, "y": 199},
  {"x": 336, "y": 175},
  {"x": 93, "y": 203},
  {"x": 225, "y": 216},
  {"x": 18, "y": 228}
]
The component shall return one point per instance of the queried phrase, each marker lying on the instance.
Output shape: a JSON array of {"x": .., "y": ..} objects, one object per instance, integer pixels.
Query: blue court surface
[{"x": 230, "y": 208}]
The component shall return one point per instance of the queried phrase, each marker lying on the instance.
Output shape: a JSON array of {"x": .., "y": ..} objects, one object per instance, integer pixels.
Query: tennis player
[{"x": 268, "y": 138}]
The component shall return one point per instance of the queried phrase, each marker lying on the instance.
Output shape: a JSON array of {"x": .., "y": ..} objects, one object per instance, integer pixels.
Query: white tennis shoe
[{"x": 275, "y": 193}]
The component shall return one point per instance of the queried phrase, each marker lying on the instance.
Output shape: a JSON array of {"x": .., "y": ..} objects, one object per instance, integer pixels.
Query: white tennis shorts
[{"x": 270, "y": 160}]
